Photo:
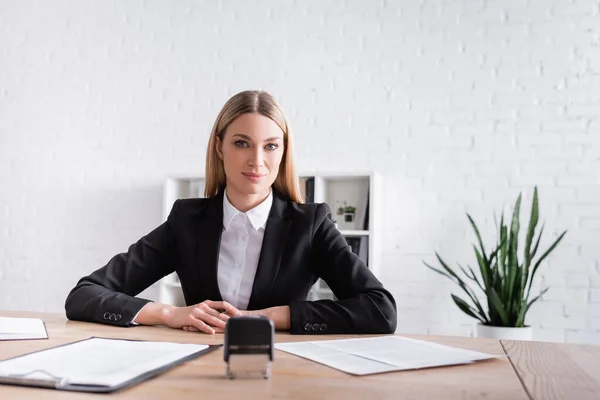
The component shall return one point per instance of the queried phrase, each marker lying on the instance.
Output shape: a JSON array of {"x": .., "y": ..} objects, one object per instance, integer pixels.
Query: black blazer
[{"x": 300, "y": 244}]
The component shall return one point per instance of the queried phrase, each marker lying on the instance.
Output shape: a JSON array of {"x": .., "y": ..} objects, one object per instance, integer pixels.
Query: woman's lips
[{"x": 253, "y": 177}]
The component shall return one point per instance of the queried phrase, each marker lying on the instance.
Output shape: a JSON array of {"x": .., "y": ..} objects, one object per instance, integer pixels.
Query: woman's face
[{"x": 251, "y": 150}]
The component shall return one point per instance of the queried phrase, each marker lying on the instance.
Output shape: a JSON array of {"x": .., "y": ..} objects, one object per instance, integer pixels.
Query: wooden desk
[{"x": 532, "y": 370}]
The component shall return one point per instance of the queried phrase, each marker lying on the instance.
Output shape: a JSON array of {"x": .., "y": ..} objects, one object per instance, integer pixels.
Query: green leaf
[
  {"x": 537, "y": 243},
  {"x": 536, "y": 298},
  {"x": 514, "y": 227},
  {"x": 450, "y": 274},
  {"x": 513, "y": 260},
  {"x": 502, "y": 266},
  {"x": 484, "y": 268},
  {"x": 478, "y": 236},
  {"x": 481, "y": 257},
  {"x": 495, "y": 267},
  {"x": 453, "y": 277},
  {"x": 447, "y": 268},
  {"x": 468, "y": 309},
  {"x": 440, "y": 272},
  {"x": 471, "y": 275},
  {"x": 537, "y": 264},
  {"x": 504, "y": 249},
  {"x": 525, "y": 309},
  {"x": 498, "y": 307},
  {"x": 513, "y": 271},
  {"x": 494, "y": 253},
  {"x": 471, "y": 294},
  {"x": 533, "y": 220}
]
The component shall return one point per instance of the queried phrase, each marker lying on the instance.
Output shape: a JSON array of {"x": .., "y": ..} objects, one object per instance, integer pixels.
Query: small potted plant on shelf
[
  {"x": 339, "y": 207},
  {"x": 505, "y": 279},
  {"x": 349, "y": 212}
]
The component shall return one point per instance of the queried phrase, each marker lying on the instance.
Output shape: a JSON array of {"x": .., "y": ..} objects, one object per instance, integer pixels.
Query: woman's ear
[{"x": 218, "y": 147}]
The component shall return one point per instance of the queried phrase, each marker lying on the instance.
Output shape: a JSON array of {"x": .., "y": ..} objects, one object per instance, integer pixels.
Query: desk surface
[{"x": 532, "y": 370}]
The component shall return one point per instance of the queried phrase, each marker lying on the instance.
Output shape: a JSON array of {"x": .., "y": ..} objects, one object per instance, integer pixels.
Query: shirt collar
[{"x": 257, "y": 216}]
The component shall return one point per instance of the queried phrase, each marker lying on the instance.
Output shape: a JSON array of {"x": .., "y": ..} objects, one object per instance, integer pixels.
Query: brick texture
[{"x": 460, "y": 105}]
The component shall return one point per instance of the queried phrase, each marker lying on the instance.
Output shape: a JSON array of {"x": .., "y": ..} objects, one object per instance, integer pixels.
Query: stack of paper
[
  {"x": 22, "y": 328},
  {"x": 381, "y": 354}
]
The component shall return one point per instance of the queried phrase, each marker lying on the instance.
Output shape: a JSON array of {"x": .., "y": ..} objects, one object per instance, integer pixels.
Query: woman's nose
[{"x": 256, "y": 159}]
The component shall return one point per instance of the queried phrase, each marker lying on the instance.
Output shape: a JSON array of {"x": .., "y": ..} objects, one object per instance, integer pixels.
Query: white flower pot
[{"x": 501, "y": 332}]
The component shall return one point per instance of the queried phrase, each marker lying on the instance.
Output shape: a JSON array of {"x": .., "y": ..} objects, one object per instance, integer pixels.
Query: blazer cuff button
[
  {"x": 106, "y": 315},
  {"x": 308, "y": 327}
]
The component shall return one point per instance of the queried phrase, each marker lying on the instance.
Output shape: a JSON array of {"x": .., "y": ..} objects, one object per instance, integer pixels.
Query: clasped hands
[
  {"x": 211, "y": 316},
  {"x": 208, "y": 317}
]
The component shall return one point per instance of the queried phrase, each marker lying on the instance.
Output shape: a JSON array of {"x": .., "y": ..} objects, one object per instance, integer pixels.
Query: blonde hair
[{"x": 252, "y": 102}]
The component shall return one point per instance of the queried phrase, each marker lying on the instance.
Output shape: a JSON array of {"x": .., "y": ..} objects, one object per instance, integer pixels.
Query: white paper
[
  {"x": 381, "y": 354},
  {"x": 97, "y": 361},
  {"x": 22, "y": 328}
]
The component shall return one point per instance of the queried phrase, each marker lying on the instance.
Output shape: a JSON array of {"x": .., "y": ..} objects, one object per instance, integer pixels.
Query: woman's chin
[{"x": 254, "y": 188}]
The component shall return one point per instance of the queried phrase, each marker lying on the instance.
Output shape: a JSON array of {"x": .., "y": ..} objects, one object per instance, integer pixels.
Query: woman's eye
[
  {"x": 271, "y": 146},
  {"x": 241, "y": 143}
]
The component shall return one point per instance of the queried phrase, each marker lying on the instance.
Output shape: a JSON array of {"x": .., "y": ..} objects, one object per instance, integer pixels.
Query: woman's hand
[
  {"x": 279, "y": 315},
  {"x": 208, "y": 317}
]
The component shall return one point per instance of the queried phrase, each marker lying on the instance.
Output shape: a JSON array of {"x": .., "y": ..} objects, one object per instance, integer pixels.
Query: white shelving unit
[
  {"x": 360, "y": 190},
  {"x": 169, "y": 288}
]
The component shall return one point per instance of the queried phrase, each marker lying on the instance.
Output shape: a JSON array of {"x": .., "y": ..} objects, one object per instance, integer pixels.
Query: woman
[{"x": 249, "y": 247}]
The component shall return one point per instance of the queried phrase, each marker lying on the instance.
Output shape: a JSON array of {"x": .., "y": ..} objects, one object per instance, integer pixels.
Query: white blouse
[{"x": 241, "y": 241}]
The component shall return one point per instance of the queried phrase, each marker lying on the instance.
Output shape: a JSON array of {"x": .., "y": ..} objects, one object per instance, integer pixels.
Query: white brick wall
[{"x": 459, "y": 104}]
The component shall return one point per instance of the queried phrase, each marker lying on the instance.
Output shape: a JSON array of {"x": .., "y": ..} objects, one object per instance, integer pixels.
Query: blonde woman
[{"x": 250, "y": 247}]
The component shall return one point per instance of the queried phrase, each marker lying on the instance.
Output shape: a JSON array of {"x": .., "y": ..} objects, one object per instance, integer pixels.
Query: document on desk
[
  {"x": 366, "y": 356},
  {"x": 97, "y": 364},
  {"x": 22, "y": 328}
]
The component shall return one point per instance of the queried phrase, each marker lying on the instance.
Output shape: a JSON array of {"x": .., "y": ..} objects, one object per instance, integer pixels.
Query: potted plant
[
  {"x": 505, "y": 279},
  {"x": 349, "y": 213},
  {"x": 339, "y": 206}
]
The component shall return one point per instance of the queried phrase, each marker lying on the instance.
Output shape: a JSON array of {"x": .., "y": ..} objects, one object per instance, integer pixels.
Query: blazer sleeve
[
  {"x": 363, "y": 305},
  {"x": 107, "y": 295}
]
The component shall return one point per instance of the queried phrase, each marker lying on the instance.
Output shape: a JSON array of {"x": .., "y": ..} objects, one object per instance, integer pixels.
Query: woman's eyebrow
[{"x": 246, "y": 137}]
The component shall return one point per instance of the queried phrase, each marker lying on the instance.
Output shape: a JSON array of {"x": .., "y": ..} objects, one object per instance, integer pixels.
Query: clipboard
[{"x": 45, "y": 378}]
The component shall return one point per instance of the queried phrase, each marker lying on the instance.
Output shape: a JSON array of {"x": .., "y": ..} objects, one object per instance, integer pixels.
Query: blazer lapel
[
  {"x": 271, "y": 253},
  {"x": 209, "y": 244}
]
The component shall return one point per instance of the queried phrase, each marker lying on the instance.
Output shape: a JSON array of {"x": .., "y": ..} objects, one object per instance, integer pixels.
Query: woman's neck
[{"x": 244, "y": 201}]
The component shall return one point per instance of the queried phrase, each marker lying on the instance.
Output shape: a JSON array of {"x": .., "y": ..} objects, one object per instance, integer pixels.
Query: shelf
[{"x": 354, "y": 232}]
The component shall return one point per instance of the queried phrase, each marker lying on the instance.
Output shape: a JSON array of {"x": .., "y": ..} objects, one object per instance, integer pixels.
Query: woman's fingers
[
  {"x": 223, "y": 305},
  {"x": 220, "y": 313},
  {"x": 208, "y": 316},
  {"x": 194, "y": 329},
  {"x": 200, "y": 326},
  {"x": 190, "y": 329}
]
